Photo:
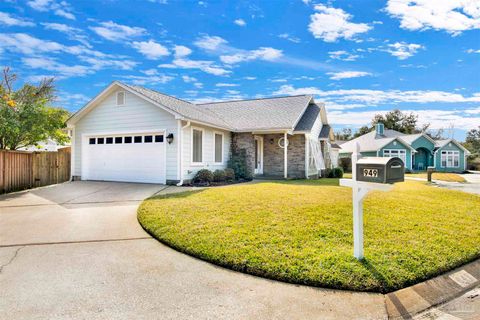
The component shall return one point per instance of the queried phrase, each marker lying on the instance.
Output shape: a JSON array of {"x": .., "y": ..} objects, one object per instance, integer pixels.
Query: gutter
[{"x": 180, "y": 146}]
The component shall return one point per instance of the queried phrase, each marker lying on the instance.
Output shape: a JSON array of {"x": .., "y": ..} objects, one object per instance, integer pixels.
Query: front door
[{"x": 258, "y": 155}]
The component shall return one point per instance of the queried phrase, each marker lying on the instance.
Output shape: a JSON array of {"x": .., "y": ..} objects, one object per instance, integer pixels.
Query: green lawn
[
  {"x": 442, "y": 176},
  {"x": 301, "y": 231}
]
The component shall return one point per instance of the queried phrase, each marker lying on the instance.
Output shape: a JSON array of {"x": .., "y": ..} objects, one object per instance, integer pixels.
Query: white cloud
[
  {"x": 473, "y": 51},
  {"x": 343, "y": 55},
  {"x": 375, "y": 97},
  {"x": 26, "y": 44},
  {"x": 72, "y": 32},
  {"x": 226, "y": 85},
  {"x": 188, "y": 79},
  {"x": 435, "y": 117},
  {"x": 473, "y": 111},
  {"x": 290, "y": 38},
  {"x": 331, "y": 24},
  {"x": 267, "y": 54},
  {"x": 98, "y": 64},
  {"x": 150, "y": 72},
  {"x": 203, "y": 65},
  {"x": 347, "y": 74},
  {"x": 250, "y": 78},
  {"x": 198, "y": 85},
  {"x": 57, "y": 67},
  {"x": 61, "y": 9},
  {"x": 116, "y": 32},
  {"x": 403, "y": 50},
  {"x": 8, "y": 20},
  {"x": 210, "y": 43},
  {"x": 182, "y": 51},
  {"x": 240, "y": 22},
  {"x": 151, "y": 49},
  {"x": 150, "y": 80},
  {"x": 454, "y": 16}
]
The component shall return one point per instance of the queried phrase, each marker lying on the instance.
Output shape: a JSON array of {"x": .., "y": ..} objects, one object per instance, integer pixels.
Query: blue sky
[{"x": 359, "y": 57}]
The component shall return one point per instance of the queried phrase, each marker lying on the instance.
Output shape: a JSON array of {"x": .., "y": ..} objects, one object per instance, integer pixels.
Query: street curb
[{"x": 405, "y": 303}]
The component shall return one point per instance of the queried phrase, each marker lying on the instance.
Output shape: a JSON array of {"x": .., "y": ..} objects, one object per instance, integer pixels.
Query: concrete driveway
[{"x": 76, "y": 251}]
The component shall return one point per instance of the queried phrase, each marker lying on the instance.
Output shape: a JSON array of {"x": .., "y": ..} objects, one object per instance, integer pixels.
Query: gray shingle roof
[
  {"x": 371, "y": 142},
  {"x": 184, "y": 108},
  {"x": 308, "y": 119},
  {"x": 325, "y": 132},
  {"x": 258, "y": 114}
]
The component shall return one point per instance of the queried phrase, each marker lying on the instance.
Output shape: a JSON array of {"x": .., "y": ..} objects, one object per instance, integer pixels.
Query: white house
[{"x": 130, "y": 133}]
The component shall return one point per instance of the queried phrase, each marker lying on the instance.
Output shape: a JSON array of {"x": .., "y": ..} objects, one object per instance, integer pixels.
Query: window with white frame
[
  {"x": 450, "y": 159},
  {"x": 120, "y": 98},
  {"x": 398, "y": 153},
  {"x": 218, "y": 144},
  {"x": 197, "y": 145}
]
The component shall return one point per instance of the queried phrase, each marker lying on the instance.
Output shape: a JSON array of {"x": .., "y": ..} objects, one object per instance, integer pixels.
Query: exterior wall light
[{"x": 170, "y": 138}]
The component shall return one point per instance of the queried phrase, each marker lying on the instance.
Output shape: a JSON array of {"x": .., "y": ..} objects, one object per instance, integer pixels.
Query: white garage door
[{"x": 126, "y": 157}]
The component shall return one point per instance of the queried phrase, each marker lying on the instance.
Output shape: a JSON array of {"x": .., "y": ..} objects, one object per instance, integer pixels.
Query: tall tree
[
  {"x": 399, "y": 121},
  {"x": 363, "y": 130},
  {"x": 344, "y": 135},
  {"x": 472, "y": 141},
  {"x": 26, "y": 114}
]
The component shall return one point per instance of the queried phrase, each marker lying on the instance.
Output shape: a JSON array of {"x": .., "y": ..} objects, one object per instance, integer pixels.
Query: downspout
[
  {"x": 72, "y": 154},
  {"x": 180, "y": 152}
]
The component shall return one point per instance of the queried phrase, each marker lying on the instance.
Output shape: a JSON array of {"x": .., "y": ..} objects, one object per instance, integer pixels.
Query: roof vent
[{"x": 380, "y": 128}]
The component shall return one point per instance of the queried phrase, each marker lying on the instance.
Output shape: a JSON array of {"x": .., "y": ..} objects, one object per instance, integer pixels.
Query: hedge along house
[
  {"x": 418, "y": 151},
  {"x": 130, "y": 133}
]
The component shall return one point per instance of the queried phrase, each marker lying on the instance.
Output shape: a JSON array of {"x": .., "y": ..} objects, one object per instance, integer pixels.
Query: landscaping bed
[{"x": 301, "y": 231}]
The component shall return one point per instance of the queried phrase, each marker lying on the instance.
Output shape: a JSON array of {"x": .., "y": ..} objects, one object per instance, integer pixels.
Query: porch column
[{"x": 285, "y": 153}]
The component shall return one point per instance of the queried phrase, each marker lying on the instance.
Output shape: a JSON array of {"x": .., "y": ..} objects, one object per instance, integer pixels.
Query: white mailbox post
[{"x": 359, "y": 190}]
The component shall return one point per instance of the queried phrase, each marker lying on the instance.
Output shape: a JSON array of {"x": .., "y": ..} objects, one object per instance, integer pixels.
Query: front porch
[{"x": 268, "y": 157}]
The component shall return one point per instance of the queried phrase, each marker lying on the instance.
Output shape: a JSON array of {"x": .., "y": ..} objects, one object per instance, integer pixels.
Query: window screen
[
  {"x": 100, "y": 140},
  {"x": 109, "y": 140},
  {"x": 118, "y": 139},
  {"x": 91, "y": 141},
  {"x": 128, "y": 140},
  {"x": 218, "y": 148},
  {"x": 137, "y": 139},
  {"x": 148, "y": 139},
  {"x": 197, "y": 145},
  {"x": 159, "y": 138}
]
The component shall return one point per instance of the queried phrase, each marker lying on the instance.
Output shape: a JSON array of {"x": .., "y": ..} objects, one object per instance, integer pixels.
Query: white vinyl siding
[
  {"x": 218, "y": 148},
  {"x": 189, "y": 168},
  {"x": 136, "y": 115},
  {"x": 399, "y": 153},
  {"x": 450, "y": 159},
  {"x": 197, "y": 146}
]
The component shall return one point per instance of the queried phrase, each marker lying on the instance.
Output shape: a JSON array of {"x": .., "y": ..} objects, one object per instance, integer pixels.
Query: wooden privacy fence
[{"x": 23, "y": 170}]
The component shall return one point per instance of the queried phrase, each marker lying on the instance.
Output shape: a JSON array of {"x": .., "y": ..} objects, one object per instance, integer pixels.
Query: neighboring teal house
[{"x": 418, "y": 151}]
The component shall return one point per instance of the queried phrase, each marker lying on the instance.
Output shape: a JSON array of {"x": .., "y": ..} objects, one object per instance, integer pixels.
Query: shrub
[
  {"x": 337, "y": 172},
  {"x": 238, "y": 162},
  {"x": 203, "y": 176},
  {"x": 229, "y": 174},
  {"x": 219, "y": 176},
  {"x": 345, "y": 164},
  {"x": 328, "y": 173}
]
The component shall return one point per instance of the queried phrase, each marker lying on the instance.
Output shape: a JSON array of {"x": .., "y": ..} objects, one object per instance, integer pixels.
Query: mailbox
[{"x": 380, "y": 170}]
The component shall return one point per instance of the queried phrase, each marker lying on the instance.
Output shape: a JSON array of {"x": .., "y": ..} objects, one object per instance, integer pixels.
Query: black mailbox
[{"x": 380, "y": 170}]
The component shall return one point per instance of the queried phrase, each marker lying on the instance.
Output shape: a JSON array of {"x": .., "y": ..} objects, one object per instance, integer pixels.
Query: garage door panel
[{"x": 133, "y": 162}]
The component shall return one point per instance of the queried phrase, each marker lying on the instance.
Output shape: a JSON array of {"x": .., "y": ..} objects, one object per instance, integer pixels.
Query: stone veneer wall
[
  {"x": 245, "y": 140},
  {"x": 273, "y": 156}
]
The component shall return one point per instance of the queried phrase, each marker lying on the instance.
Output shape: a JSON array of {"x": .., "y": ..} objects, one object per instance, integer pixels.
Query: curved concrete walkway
[{"x": 76, "y": 251}]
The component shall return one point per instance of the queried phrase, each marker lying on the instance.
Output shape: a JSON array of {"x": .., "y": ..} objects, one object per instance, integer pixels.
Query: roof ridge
[
  {"x": 254, "y": 99},
  {"x": 158, "y": 92}
]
